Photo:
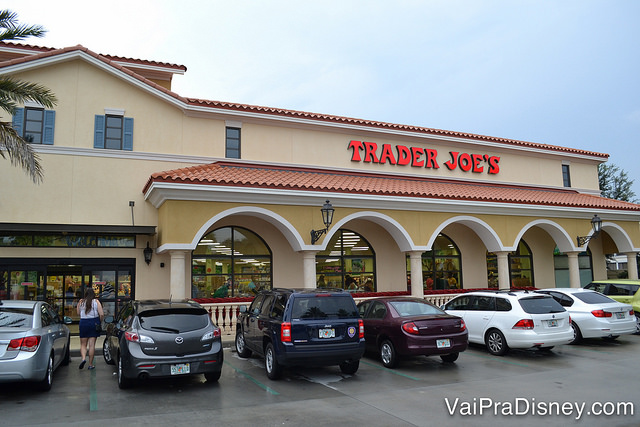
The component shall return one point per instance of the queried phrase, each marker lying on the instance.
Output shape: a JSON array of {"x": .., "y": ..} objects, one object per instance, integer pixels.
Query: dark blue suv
[{"x": 311, "y": 327}]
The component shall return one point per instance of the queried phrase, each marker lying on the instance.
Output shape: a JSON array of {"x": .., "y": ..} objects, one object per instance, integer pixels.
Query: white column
[
  {"x": 504, "y": 281},
  {"x": 309, "y": 269},
  {"x": 632, "y": 265},
  {"x": 415, "y": 259},
  {"x": 574, "y": 269},
  {"x": 178, "y": 285}
]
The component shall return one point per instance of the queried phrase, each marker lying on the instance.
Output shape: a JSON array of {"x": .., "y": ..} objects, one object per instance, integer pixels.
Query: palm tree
[{"x": 14, "y": 92}]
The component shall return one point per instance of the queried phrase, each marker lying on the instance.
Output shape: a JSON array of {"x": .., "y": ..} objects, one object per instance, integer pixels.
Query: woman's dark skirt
[{"x": 88, "y": 329}]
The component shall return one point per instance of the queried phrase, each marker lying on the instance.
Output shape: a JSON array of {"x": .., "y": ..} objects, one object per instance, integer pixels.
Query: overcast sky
[{"x": 558, "y": 72}]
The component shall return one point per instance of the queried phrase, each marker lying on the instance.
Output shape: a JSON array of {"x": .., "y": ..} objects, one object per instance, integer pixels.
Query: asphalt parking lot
[{"x": 571, "y": 385}]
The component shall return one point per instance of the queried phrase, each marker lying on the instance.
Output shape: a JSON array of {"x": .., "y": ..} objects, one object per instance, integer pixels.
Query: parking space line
[
  {"x": 498, "y": 359},
  {"x": 93, "y": 395},
  {"x": 382, "y": 368},
  {"x": 249, "y": 377}
]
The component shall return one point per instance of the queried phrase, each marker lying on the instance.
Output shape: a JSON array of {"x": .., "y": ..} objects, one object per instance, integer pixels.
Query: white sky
[{"x": 548, "y": 71}]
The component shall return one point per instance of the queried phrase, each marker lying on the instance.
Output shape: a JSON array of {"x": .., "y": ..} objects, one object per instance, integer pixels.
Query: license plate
[
  {"x": 620, "y": 315},
  {"x": 180, "y": 369},
  {"x": 552, "y": 323},
  {"x": 327, "y": 333},
  {"x": 444, "y": 343}
]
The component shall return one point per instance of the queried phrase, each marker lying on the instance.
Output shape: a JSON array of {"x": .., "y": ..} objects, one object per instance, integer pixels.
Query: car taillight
[
  {"x": 30, "y": 343},
  {"x": 524, "y": 324},
  {"x": 285, "y": 332},
  {"x": 131, "y": 336},
  {"x": 601, "y": 313},
  {"x": 463, "y": 325},
  {"x": 360, "y": 328},
  {"x": 410, "y": 328},
  {"x": 217, "y": 333},
  {"x": 631, "y": 313}
]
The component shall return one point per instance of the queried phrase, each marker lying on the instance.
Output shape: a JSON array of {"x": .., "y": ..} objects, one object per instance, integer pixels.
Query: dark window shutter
[
  {"x": 127, "y": 141},
  {"x": 18, "y": 121},
  {"x": 98, "y": 132},
  {"x": 48, "y": 127}
]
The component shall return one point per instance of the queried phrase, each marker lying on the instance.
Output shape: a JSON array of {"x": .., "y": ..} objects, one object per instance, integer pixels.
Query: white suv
[{"x": 504, "y": 319}]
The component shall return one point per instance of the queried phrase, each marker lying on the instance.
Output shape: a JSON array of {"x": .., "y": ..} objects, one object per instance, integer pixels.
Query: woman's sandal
[{"x": 81, "y": 365}]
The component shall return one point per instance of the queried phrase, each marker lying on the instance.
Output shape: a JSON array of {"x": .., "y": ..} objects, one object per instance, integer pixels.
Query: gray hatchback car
[
  {"x": 161, "y": 338},
  {"x": 34, "y": 341}
]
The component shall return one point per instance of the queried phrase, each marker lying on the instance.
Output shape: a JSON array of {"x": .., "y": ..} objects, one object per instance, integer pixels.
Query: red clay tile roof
[
  {"x": 112, "y": 60},
  {"x": 306, "y": 179}
]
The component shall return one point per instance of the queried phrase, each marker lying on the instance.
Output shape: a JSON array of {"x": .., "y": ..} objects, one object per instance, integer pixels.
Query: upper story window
[
  {"x": 232, "y": 143},
  {"x": 113, "y": 131},
  {"x": 566, "y": 176},
  {"x": 35, "y": 124}
]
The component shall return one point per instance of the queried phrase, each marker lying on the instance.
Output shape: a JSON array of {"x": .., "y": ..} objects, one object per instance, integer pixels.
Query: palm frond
[
  {"x": 18, "y": 91},
  {"x": 14, "y": 31},
  {"x": 20, "y": 152}
]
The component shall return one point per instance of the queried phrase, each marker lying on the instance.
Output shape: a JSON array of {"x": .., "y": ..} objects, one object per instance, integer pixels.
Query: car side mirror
[
  {"x": 243, "y": 309},
  {"x": 108, "y": 319},
  {"x": 67, "y": 320}
]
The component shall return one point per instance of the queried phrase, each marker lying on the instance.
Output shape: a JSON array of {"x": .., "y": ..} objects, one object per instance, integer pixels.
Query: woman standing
[{"x": 91, "y": 315}]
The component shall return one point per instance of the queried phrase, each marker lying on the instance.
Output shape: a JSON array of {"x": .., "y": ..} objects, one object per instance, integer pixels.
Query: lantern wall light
[
  {"x": 596, "y": 224},
  {"x": 327, "y": 218}
]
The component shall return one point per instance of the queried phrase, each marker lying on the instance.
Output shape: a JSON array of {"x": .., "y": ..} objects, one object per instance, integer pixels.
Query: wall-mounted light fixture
[
  {"x": 596, "y": 224},
  {"x": 327, "y": 218},
  {"x": 131, "y": 205},
  {"x": 148, "y": 253}
]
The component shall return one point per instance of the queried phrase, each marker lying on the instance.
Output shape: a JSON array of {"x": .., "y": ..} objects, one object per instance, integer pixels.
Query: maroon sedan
[{"x": 399, "y": 326}]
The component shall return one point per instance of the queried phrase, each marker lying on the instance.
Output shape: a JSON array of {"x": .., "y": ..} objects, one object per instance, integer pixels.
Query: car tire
[
  {"x": 123, "y": 382},
  {"x": 350, "y": 367},
  {"x": 496, "y": 343},
  {"x": 47, "y": 381},
  {"x": 637, "y": 323},
  {"x": 271, "y": 365},
  {"x": 449, "y": 358},
  {"x": 107, "y": 354},
  {"x": 388, "y": 354},
  {"x": 577, "y": 335},
  {"x": 66, "y": 358},
  {"x": 212, "y": 377},
  {"x": 241, "y": 345}
]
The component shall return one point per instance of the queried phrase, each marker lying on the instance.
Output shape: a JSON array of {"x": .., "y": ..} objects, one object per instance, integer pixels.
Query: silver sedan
[
  {"x": 34, "y": 341},
  {"x": 594, "y": 315}
]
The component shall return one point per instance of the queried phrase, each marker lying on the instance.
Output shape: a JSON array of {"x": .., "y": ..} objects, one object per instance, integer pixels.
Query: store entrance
[{"x": 65, "y": 287}]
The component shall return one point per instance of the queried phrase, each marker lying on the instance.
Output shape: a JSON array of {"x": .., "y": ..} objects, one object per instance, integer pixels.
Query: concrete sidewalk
[{"x": 227, "y": 342}]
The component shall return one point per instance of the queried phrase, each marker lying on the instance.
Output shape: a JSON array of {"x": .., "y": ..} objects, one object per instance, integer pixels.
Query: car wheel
[
  {"x": 449, "y": 358},
  {"x": 66, "y": 358},
  {"x": 577, "y": 335},
  {"x": 107, "y": 353},
  {"x": 212, "y": 377},
  {"x": 350, "y": 367},
  {"x": 637, "y": 323},
  {"x": 241, "y": 347},
  {"x": 45, "y": 384},
  {"x": 496, "y": 343},
  {"x": 271, "y": 365},
  {"x": 388, "y": 354},
  {"x": 123, "y": 382}
]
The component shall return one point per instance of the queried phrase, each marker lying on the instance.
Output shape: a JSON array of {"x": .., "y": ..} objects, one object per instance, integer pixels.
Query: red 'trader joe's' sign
[{"x": 419, "y": 157}]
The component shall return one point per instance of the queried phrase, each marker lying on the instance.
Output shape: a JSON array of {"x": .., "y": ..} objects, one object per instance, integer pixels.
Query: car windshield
[
  {"x": 540, "y": 305},
  {"x": 323, "y": 307},
  {"x": 593, "y": 298},
  {"x": 174, "y": 321},
  {"x": 414, "y": 308},
  {"x": 16, "y": 317}
]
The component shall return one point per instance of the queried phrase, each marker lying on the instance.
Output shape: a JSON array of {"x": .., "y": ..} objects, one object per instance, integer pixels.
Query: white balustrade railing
[{"x": 225, "y": 314}]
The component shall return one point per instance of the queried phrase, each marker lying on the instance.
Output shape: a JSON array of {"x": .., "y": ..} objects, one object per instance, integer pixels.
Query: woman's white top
[{"x": 93, "y": 313}]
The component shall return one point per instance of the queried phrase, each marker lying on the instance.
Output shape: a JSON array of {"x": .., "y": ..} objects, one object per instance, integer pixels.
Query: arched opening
[
  {"x": 230, "y": 262},
  {"x": 441, "y": 266},
  {"x": 349, "y": 262},
  {"x": 520, "y": 267},
  {"x": 561, "y": 268}
]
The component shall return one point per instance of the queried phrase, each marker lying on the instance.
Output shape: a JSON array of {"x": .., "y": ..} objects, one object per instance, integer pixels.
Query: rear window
[
  {"x": 16, "y": 318},
  {"x": 540, "y": 305},
  {"x": 323, "y": 307},
  {"x": 413, "y": 308},
  {"x": 593, "y": 298},
  {"x": 174, "y": 321}
]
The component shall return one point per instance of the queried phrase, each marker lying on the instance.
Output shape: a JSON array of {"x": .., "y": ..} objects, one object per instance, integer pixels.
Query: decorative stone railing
[{"x": 224, "y": 311}]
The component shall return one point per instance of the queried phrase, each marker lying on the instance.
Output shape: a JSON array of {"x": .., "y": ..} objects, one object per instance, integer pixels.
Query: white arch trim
[
  {"x": 488, "y": 236},
  {"x": 558, "y": 234},
  {"x": 288, "y": 231},
  {"x": 393, "y": 227},
  {"x": 619, "y": 236}
]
